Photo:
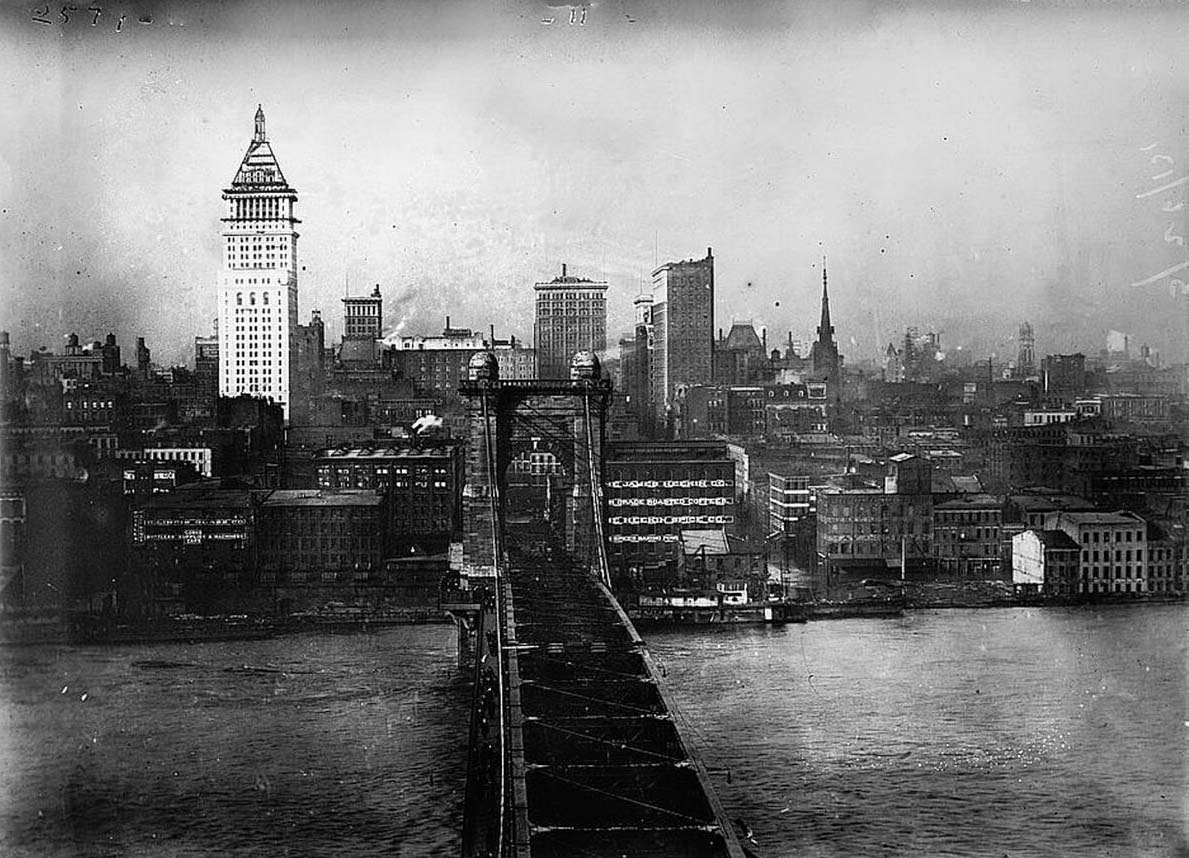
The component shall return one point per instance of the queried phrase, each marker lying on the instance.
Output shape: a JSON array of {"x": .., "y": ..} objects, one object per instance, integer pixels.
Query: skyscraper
[
  {"x": 258, "y": 281},
  {"x": 683, "y": 328},
  {"x": 571, "y": 317},
  {"x": 363, "y": 316},
  {"x": 1026, "y": 358},
  {"x": 363, "y": 326}
]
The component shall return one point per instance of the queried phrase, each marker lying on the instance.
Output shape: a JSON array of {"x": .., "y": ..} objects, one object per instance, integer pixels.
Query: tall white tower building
[{"x": 258, "y": 281}]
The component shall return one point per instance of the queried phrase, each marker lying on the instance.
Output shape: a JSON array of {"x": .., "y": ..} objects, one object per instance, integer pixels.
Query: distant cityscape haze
[{"x": 962, "y": 168}]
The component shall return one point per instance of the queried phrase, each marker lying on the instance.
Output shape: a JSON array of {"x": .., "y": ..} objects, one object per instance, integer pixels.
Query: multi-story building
[
  {"x": 12, "y": 545},
  {"x": 571, "y": 317},
  {"x": 191, "y": 547},
  {"x": 1168, "y": 557},
  {"x": 741, "y": 357},
  {"x": 363, "y": 316},
  {"x": 1045, "y": 561},
  {"x": 201, "y": 458},
  {"x": 865, "y": 530},
  {"x": 682, "y": 319},
  {"x": 206, "y": 355},
  {"x": 1045, "y": 416},
  {"x": 438, "y": 365},
  {"x": 1114, "y": 550},
  {"x": 423, "y": 485},
  {"x": 791, "y": 501},
  {"x": 257, "y": 286},
  {"x": 514, "y": 360},
  {"x": 311, "y": 535},
  {"x": 967, "y": 536},
  {"x": 1063, "y": 376},
  {"x": 1133, "y": 407},
  {"x": 656, "y": 490},
  {"x": 794, "y": 410},
  {"x": 635, "y": 357}
]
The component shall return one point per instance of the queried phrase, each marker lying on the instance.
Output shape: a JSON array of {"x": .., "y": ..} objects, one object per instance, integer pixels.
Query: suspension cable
[
  {"x": 496, "y": 547},
  {"x": 596, "y": 494}
]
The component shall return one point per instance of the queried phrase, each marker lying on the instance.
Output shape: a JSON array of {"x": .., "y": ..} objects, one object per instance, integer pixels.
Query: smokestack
[
  {"x": 563, "y": 269},
  {"x": 764, "y": 339},
  {"x": 447, "y": 323},
  {"x": 493, "y": 336}
]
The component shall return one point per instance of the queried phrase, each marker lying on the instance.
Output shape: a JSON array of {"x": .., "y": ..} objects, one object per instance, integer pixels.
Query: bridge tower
[{"x": 535, "y": 451}]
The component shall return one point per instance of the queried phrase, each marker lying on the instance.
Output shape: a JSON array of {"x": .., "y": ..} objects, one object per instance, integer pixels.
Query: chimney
[
  {"x": 447, "y": 323},
  {"x": 563, "y": 269},
  {"x": 764, "y": 339}
]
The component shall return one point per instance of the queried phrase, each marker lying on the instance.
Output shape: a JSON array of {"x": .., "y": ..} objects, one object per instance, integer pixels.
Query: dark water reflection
[{"x": 308, "y": 745}]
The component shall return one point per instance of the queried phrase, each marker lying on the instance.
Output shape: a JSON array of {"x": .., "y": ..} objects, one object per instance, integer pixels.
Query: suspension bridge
[{"x": 574, "y": 749}]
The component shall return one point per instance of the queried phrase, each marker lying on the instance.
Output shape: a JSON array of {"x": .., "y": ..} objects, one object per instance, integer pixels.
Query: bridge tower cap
[
  {"x": 585, "y": 364},
  {"x": 483, "y": 367}
]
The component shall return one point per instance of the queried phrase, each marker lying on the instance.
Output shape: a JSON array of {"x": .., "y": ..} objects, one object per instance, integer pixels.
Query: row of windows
[
  {"x": 571, "y": 296},
  {"x": 1093, "y": 536},
  {"x": 966, "y": 516},
  {"x": 1106, "y": 555}
]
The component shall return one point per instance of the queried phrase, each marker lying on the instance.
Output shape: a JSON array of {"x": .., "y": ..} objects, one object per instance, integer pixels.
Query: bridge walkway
[{"x": 605, "y": 769}]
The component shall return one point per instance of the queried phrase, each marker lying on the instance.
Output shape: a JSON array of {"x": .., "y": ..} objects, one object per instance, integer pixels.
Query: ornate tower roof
[{"x": 259, "y": 170}]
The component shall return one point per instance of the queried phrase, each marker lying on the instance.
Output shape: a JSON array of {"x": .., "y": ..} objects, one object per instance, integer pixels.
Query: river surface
[
  {"x": 1006, "y": 732},
  {"x": 337, "y": 745}
]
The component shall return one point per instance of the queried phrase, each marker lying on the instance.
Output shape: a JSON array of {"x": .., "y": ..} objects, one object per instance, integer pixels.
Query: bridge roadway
[{"x": 594, "y": 760}]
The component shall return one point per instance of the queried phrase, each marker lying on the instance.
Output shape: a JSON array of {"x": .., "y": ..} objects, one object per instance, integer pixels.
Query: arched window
[
  {"x": 252, "y": 298},
  {"x": 239, "y": 299},
  {"x": 266, "y": 298}
]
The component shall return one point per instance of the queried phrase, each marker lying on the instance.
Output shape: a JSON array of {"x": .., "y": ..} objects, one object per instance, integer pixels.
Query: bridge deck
[{"x": 606, "y": 772}]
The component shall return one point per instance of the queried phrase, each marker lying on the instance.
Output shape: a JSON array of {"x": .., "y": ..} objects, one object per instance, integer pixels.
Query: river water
[
  {"x": 339, "y": 745},
  {"x": 1017, "y": 732},
  {"x": 1007, "y": 732}
]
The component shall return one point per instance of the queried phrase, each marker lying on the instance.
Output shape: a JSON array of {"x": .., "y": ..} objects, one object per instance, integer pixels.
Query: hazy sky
[{"x": 965, "y": 165}]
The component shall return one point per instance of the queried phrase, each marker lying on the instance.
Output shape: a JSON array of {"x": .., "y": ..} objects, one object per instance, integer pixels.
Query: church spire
[
  {"x": 259, "y": 136},
  {"x": 825, "y": 331}
]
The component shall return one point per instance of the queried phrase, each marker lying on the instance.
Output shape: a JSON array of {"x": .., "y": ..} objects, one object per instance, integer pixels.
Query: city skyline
[{"x": 459, "y": 154}]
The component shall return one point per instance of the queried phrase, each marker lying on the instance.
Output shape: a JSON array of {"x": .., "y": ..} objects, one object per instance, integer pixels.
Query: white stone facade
[{"x": 257, "y": 286}]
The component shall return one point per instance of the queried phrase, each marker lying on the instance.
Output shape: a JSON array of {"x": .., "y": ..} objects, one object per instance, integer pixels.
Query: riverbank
[
  {"x": 39, "y": 628},
  {"x": 1001, "y": 594}
]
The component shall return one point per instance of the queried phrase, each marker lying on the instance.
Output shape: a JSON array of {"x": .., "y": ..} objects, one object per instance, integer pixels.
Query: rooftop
[
  {"x": 705, "y": 542},
  {"x": 313, "y": 497},
  {"x": 1050, "y": 503},
  {"x": 1057, "y": 540},
  {"x": 440, "y": 451},
  {"x": 973, "y": 501},
  {"x": 1097, "y": 517}
]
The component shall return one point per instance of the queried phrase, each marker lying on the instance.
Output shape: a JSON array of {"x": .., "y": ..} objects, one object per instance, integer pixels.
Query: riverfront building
[
  {"x": 967, "y": 536},
  {"x": 1045, "y": 561},
  {"x": 1114, "y": 550},
  {"x": 310, "y": 534},
  {"x": 257, "y": 286},
  {"x": 657, "y": 490},
  {"x": 423, "y": 484}
]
